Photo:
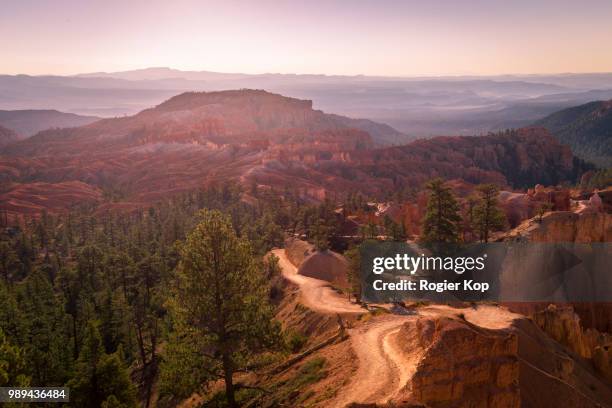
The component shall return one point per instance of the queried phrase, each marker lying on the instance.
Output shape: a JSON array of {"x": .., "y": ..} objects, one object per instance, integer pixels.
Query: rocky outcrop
[
  {"x": 552, "y": 375},
  {"x": 517, "y": 206},
  {"x": 460, "y": 363},
  {"x": 326, "y": 265},
  {"x": 33, "y": 198},
  {"x": 563, "y": 325},
  {"x": 298, "y": 250},
  {"x": 593, "y": 315},
  {"x": 226, "y": 117},
  {"x": 566, "y": 226},
  {"x": 558, "y": 199},
  {"x": 465, "y": 365},
  {"x": 606, "y": 198}
]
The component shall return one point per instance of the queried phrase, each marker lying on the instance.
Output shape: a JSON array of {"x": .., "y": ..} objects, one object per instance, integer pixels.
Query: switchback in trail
[{"x": 385, "y": 367}]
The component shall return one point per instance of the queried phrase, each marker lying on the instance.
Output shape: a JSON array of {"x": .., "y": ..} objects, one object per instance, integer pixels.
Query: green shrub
[{"x": 296, "y": 341}]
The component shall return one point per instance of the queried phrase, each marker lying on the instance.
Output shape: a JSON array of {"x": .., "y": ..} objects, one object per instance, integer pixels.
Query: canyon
[
  {"x": 259, "y": 140},
  {"x": 406, "y": 355}
]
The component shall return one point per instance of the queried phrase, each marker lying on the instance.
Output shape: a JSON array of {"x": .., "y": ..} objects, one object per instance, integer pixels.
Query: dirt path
[
  {"x": 314, "y": 293},
  {"x": 383, "y": 368}
]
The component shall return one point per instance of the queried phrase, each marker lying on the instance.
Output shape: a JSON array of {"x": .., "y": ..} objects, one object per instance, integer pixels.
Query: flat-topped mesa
[
  {"x": 236, "y": 116},
  {"x": 188, "y": 100},
  {"x": 225, "y": 117}
]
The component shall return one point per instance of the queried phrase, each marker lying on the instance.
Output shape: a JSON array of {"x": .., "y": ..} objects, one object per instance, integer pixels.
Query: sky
[{"x": 344, "y": 37}]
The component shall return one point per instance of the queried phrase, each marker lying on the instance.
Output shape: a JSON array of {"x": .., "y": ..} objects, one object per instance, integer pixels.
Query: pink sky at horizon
[{"x": 386, "y": 37}]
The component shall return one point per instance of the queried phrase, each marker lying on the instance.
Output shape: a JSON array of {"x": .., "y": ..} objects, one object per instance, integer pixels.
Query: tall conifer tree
[
  {"x": 441, "y": 223},
  {"x": 488, "y": 217},
  {"x": 221, "y": 308}
]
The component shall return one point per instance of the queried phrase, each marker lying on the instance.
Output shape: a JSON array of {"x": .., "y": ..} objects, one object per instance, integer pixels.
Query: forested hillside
[
  {"x": 587, "y": 129},
  {"x": 84, "y": 297}
]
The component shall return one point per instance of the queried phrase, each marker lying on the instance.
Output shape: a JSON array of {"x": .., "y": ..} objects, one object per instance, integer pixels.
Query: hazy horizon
[
  {"x": 384, "y": 38},
  {"x": 329, "y": 74}
]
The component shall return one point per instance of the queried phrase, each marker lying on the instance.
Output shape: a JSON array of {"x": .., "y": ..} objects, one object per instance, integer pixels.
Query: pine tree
[
  {"x": 100, "y": 379},
  {"x": 13, "y": 367},
  {"x": 47, "y": 331},
  {"x": 488, "y": 217},
  {"x": 441, "y": 223},
  {"x": 12, "y": 321},
  {"x": 221, "y": 308},
  {"x": 320, "y": 235},
  {"x": 353, "y": 273},
  {"x": 468, "y": 219},
  {"x": 393, "y": 230},
  {"x": 9, "y": 263}
]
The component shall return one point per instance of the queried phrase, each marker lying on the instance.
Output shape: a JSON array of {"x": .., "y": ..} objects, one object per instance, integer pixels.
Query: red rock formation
[
  {"x": 563, "y": 325},
  {"x": 255, "y": 137},
  {"x": 566, "y": 226},
  {"x": 460, "y": 364},
  {"x": 522, "y": 206},
  {"x": 465, "y": 365},
  {"x": 33, "y": 198},
  {"x": 326, "y": 265}
]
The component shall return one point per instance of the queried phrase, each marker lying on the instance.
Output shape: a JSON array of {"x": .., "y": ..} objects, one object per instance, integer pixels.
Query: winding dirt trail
[
  {"x": 383, "y": 368},
  {"x": 314, "y": 293},
  {"x": 384, "y": 365}
]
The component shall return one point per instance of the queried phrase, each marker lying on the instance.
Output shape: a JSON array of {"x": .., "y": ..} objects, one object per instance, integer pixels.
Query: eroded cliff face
[
  {"x": 566, "y": 226},
  {"x": 465, "y": 365},
  {"x": 563, "y": 325},
  {"x": 521, "y": 206},
  {"x": 589, "y": 224}
]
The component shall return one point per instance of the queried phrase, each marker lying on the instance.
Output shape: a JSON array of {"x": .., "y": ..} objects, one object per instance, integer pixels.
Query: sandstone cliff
[
  {"x": 563, "y": 325},
  {"x": 566, "y": 226},
  {"x": 473, "y": 359},
  {"x": 465, "y": 365}
]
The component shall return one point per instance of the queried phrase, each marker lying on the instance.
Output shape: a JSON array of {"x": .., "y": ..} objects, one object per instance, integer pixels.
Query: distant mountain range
[
  {"x": 164, "y": 73},
  {"x": 587, "y": 129},
  {"x": 417, "y": 107},
  {"x": 28, "y": 122}
]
